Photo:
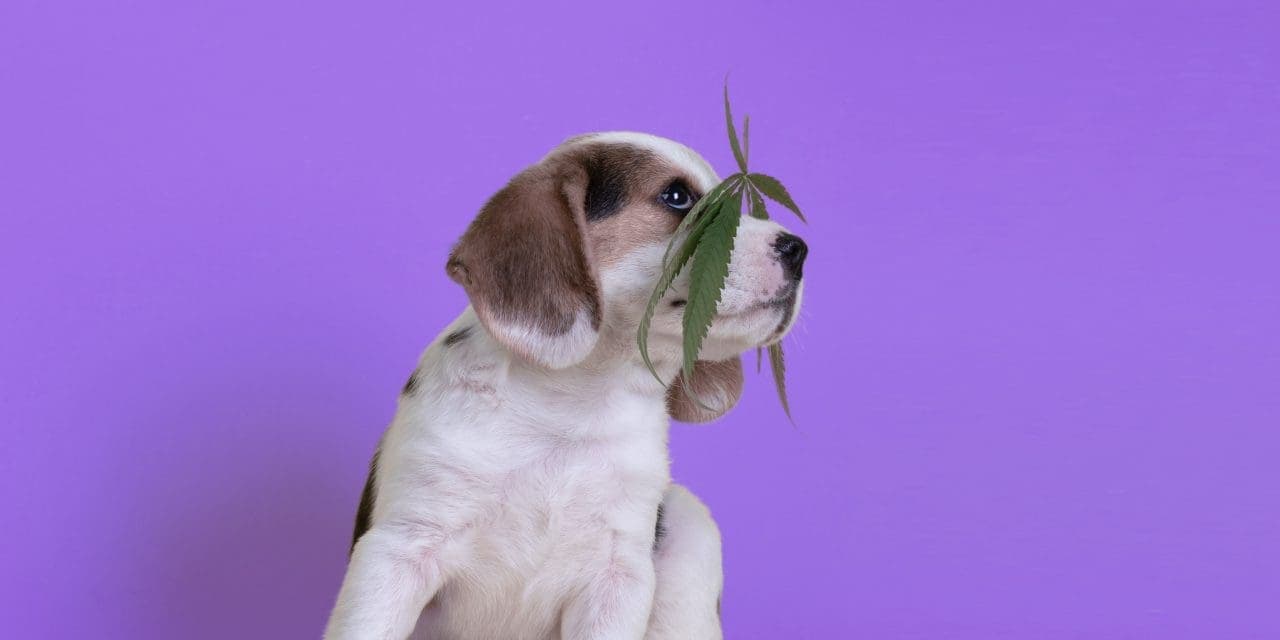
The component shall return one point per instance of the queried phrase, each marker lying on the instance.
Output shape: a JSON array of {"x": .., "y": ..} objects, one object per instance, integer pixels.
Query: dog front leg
[
  {"x": 392, "y": 575},
  {"x": 686, "y": 558},
  {"x": 616, "y": 604}
]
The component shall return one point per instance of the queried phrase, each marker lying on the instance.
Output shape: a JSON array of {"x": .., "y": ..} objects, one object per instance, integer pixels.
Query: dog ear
[
  {"x": 717, "y": 384},
  {"x": 526, "y": 266}
]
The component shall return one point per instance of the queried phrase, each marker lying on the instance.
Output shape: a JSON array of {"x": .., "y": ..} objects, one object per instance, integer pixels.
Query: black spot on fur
[
  {"x": 612, "y": 171},
  {"x": 411, "y": 385},
  {"x": 457, "y": 336},
  {"x": 606, "y": 191},
  {"x": 364, "y": 513},
  {"x": 659, "y": 529},
  {"x": 718, "y": 599}
]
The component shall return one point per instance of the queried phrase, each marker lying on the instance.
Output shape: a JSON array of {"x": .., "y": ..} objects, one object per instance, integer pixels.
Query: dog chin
[
  {"x": 761, "y": 325},
  {"x": 789, "y": 310}
]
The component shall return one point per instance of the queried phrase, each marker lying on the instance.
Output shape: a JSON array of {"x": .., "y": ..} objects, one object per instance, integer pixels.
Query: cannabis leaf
[
  {"x": 695, "y": 223},
  {"x": 774, "y": 189},
  {"x": 757, "y": 203},
  {"x": 704, "y": 242},
  {"x": 706, "y": 280},
  {"x": 733, "y": 132},
  {"x": 779, "y": 367}
]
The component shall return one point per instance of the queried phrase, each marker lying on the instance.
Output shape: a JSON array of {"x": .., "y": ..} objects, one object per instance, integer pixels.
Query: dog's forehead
[{"x": 683, "y": 158}]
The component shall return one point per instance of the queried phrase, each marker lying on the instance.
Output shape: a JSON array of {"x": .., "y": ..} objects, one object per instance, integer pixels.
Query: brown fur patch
[
  {"x": 717, "y": 384},
  {"x": 643, "y": 224},
  {"x": 524, "y": 259},
  {"x": 628, "y": 181}
]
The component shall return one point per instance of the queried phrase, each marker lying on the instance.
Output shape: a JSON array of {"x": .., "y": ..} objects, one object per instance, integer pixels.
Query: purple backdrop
[{"x": 1035, "y": 381}]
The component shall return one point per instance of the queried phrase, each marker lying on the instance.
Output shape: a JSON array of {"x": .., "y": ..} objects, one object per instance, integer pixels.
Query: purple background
[{"x": 1035, "y": 380}]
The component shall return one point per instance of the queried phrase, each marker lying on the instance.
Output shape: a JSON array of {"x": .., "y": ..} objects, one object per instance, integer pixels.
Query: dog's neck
[
  {"x": 468, "y": 356},
  {"x": 615, "y": 361}
]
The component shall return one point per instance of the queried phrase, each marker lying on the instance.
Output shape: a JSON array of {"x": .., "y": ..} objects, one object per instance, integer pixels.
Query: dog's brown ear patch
[
  {"x": 718, "y": 385},
  {"x": 526, "y": 266}
]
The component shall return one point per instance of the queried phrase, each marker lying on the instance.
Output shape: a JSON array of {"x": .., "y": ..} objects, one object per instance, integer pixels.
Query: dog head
[{"x": 561, "y": 263}]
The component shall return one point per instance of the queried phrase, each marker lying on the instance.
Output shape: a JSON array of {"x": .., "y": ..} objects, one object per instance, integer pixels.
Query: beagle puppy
[{"x": 523, "y": 489}]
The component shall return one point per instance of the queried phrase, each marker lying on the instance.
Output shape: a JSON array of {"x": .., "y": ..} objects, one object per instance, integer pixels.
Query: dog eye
[{"x": 677, "y": 197}]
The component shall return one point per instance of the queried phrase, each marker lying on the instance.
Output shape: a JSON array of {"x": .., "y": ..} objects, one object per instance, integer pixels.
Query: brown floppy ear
[
  {"x": 527, "y": 268},
  {"x": 718, "y": 386}
]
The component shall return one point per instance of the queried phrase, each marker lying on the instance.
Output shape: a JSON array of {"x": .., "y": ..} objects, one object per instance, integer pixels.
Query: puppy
[{"x": 523, "y": 489}]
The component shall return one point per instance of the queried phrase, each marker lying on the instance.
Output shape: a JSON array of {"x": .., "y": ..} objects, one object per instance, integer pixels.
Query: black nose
[{"x": 791, "y": 251}]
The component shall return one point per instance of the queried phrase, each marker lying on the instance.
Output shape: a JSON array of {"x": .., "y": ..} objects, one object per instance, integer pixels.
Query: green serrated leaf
[
  {"x": 706, "y": 203},
  {"x": 733, "y": 132},
  {"x": 695, "y": 223},
  {"x": 707, "y": 275},
  {"x": 770, "y": 186},
  {"x": 703, "y": 243},
  {"x": 757, "y": 209},
  {"x": 671, "y": 269},
  {"x": 779, "y": 366}
]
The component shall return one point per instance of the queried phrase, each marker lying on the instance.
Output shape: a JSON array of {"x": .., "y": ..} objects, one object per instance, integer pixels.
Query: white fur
[
  {"x": 680, "y": 155},
  {"x": 556, "y": 352},
  {"x": 517, "y": 500}
]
